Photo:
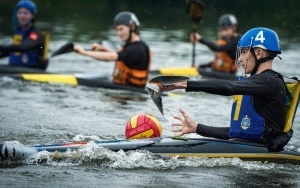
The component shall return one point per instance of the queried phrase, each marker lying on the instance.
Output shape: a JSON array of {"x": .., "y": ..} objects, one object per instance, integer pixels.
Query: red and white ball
[{"x": 143, "y": 126}]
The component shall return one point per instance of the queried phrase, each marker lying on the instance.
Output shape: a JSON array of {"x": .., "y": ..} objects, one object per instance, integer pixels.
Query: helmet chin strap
[
  {"x": 129, "y": 37},
  {"x": 130, "y": 33},
  {"x": 259, "y": 61}
]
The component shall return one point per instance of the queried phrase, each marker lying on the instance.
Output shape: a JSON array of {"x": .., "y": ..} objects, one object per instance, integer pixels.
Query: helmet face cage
[{"x": 239, "y": 50}]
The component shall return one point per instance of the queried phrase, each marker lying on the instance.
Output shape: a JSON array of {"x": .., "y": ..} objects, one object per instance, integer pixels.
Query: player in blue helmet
[
  {"x": 21, "y": 18},
  {"x": 29, "y": 48},
  {"x": 259, "y": 107}
]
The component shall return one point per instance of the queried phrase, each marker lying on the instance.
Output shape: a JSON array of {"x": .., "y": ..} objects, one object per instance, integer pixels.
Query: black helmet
[
  {"x": 227, "y": 20},
  {"x": 126, "y": 18}
]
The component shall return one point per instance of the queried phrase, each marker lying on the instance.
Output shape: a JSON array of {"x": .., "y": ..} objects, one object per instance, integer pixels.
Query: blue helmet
[
  {"x": 30, "y": 5},
  {"x": 261, "y": 37}
]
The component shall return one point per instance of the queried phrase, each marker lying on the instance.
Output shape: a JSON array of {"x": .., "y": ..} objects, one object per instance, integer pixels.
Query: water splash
[
  {"x": 81, "y": 137},
  {"x": 92, "y": 154}
]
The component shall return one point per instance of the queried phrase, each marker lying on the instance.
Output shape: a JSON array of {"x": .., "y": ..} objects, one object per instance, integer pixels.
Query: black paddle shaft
[
  {"x": 195, "y": 11},
  {"x": 69, "y": 47}
]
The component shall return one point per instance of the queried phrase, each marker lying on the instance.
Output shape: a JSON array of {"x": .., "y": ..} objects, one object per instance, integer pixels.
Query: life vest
[
  {"x": 294, "y": 89},
  {"x": 125, "y": 75},
  {"x": 29, "y": 58},
  {"x": 247, "y": 124},
  {"x": 223, "y": 62},
  {"x": 45, "y": 56}
]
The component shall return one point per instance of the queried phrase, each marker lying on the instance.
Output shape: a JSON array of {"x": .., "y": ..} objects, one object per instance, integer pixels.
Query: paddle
[
  {"x": 66, "y": 48},
  {"x": 163, "y": 80},
  {"x": 195, "y": 11},
  {"x": 156, "y": 98},
  {"x": 69, "y": 47}
]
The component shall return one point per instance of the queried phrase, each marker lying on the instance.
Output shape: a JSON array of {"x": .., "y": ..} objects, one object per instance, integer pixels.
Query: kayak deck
[
  {"x": 187, "y": 71},
  {"x": 7, "y": 69},
  {"x": 74, "y": 80}
]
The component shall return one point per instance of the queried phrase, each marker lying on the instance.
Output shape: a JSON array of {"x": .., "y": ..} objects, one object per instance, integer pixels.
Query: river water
[{"x": 35, "y": 113}]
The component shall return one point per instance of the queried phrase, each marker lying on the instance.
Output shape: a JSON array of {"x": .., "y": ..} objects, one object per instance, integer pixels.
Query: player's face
[
  {"x": 226, "y": 32},
  {"x": 24, "y": 16},
  {"x": 122, "y": 32},
  {"x": 246, "y": 61}
]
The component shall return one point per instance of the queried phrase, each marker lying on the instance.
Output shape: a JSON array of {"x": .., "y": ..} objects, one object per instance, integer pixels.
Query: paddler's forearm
[
  {"x": 103, "y": 56},
  {"x": 26, "y": 45},
  {"x": 220, "y": 87},
  {"x": 215, "y": 132},
  {"x": 15, "y": 48},
  {"x": 210, "y": 45},
  {"x": 258, "y": 85}
]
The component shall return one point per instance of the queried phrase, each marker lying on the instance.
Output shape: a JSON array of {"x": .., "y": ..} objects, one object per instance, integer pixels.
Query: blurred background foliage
[{"x": 97, "y": 15}]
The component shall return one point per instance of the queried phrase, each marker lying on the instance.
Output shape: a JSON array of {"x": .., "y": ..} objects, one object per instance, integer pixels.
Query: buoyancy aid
[
  {"x": 223, "y": 62},
  {"x": 125, "y": 75},
  {"x": 247, "y": 124},
  {"x": 294, "y": 89},
  {"x": 32, "y": 58}
]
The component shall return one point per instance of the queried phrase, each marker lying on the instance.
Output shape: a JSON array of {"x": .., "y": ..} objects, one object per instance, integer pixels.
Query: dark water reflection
[{"x": 76, "y": 18}]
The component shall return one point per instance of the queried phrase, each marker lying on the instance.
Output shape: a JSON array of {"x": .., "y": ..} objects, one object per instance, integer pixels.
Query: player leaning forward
[
  {"x": 132, "y": 61},
  {"x": 259, "y": 109}
]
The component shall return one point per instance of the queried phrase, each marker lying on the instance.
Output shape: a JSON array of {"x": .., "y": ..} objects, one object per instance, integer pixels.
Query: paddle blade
[
  {"x": 156, "y": 98},
  {"x": 195, "y": 10},
  {"x": 165, "y": 80},
  {"x": 68, "y": 47}
]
